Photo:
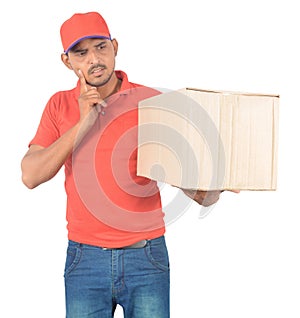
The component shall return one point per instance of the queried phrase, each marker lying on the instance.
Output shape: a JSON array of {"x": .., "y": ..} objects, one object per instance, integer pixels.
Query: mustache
[{"x": 92, "y": 68}]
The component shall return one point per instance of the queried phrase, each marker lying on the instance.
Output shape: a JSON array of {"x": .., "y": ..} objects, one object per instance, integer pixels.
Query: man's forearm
[{"x": 41, "y": 164}]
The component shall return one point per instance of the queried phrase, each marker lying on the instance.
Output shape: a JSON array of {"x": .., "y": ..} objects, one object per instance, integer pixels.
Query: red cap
[{"x": 83, "y": 26}]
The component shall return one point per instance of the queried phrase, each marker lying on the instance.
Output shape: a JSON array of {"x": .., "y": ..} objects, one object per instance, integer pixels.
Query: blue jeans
[{"x": 96, "y": 280}]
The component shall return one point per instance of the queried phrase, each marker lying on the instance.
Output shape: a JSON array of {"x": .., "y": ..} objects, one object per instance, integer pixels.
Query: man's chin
[{"x": 99, "y": 82}]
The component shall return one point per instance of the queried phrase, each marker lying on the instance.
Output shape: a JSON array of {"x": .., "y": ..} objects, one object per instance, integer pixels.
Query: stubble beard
[{"x": 103, "y": 80}]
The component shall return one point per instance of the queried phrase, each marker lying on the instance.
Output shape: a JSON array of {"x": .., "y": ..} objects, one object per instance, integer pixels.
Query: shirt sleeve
[{"x": 47, "y": 131}]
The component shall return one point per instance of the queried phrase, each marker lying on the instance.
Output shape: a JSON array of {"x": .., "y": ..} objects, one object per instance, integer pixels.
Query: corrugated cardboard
[{"x": 201, "y": 139}]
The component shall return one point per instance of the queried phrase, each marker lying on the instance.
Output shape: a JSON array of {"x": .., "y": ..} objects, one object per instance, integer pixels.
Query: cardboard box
[{"x": 201, "y": 139}]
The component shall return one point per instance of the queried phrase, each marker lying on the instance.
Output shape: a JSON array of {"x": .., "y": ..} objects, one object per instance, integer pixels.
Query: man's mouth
[{"x": 97, "y": 71}]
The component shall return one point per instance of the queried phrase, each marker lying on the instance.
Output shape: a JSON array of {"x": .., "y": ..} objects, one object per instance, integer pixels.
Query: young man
[{"x": 117, "y": 252}]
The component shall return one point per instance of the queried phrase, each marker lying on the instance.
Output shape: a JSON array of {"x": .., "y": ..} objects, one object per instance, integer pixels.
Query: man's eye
[
  {"x": 80, "y": 53},
  {"x": 101, "y": 46}
]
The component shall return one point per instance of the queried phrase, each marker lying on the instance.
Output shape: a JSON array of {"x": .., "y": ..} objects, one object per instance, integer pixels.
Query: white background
[{"x": 242, "y": 259}]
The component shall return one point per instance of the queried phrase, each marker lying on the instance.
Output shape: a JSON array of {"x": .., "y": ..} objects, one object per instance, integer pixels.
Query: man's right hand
[
  {"x": 89, "y": 100},
  {"x": 40, "y": 164}
]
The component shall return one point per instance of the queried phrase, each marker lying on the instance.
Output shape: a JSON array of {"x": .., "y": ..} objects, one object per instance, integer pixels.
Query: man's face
[{"x": 95, "y": 58}]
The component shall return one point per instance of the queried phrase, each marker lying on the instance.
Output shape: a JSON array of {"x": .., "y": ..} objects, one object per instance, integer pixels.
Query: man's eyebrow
[
  {"x": 100, "y": 43},
  {"x": 78, "y": 50}
]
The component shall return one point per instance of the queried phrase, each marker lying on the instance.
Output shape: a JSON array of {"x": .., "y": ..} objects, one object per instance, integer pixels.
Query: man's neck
[{"x": 113, "y": 87}]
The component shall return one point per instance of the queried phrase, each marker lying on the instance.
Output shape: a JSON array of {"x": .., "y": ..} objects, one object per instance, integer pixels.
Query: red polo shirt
[{"x": 108, "y": 205}]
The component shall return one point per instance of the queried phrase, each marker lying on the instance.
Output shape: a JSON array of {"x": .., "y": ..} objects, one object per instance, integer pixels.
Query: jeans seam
[
  {"x": 156, "y": 264},
  {"x": 75, "y": 262},
  {"x": 117, "y": 290}
]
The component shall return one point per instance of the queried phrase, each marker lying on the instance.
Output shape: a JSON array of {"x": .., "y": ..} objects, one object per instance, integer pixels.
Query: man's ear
[
  {"x": 65, "y": 59},
  {"x": 115, "y": 45}
]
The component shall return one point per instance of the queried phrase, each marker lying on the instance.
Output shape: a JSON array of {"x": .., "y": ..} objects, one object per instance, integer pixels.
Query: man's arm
[{"x": 41, "y": 164}]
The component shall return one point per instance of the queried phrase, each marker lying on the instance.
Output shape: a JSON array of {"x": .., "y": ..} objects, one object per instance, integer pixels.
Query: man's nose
[{"x": 93, "y": 57}]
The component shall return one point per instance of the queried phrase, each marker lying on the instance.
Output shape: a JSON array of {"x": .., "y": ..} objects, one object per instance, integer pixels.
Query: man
[{"x": 117, "y": 252}]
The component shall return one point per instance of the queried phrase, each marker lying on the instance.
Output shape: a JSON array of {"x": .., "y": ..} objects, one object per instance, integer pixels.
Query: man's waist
[{"x": 136, "y": 245}]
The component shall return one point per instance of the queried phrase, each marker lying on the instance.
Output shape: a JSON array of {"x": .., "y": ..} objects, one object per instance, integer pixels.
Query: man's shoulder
[
  {"x": 66, "y": 93},
  {"x": 142, "y": 92},
  {"x": 64, "y": 96},
  {"x": 136, "y": 89}
]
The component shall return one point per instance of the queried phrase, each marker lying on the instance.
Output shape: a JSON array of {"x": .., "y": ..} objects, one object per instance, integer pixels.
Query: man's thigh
[
  {"x": 88, "y": 282},
  {"x": 146, "y": 288}
]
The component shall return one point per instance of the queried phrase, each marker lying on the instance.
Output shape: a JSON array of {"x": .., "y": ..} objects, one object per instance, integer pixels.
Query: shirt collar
[{"x": 126, "y": 85}]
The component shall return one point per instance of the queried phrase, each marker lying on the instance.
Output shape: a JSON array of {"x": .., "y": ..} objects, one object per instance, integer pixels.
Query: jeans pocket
[
  {"x": 73, "y": 257},
  {"x": 157, "y": 254}
]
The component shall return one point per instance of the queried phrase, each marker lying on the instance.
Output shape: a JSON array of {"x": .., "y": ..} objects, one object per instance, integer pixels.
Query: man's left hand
[{"x": 205, "y": 198}]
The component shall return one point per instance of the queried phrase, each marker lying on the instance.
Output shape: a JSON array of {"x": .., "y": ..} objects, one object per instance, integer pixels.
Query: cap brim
[{"x": 86, "y": 37}]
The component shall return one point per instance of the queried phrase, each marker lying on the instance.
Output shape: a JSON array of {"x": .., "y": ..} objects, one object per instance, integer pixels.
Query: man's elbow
[
  {"x": 28, "y": 177},
  {"x": 28, "y": 182}
]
